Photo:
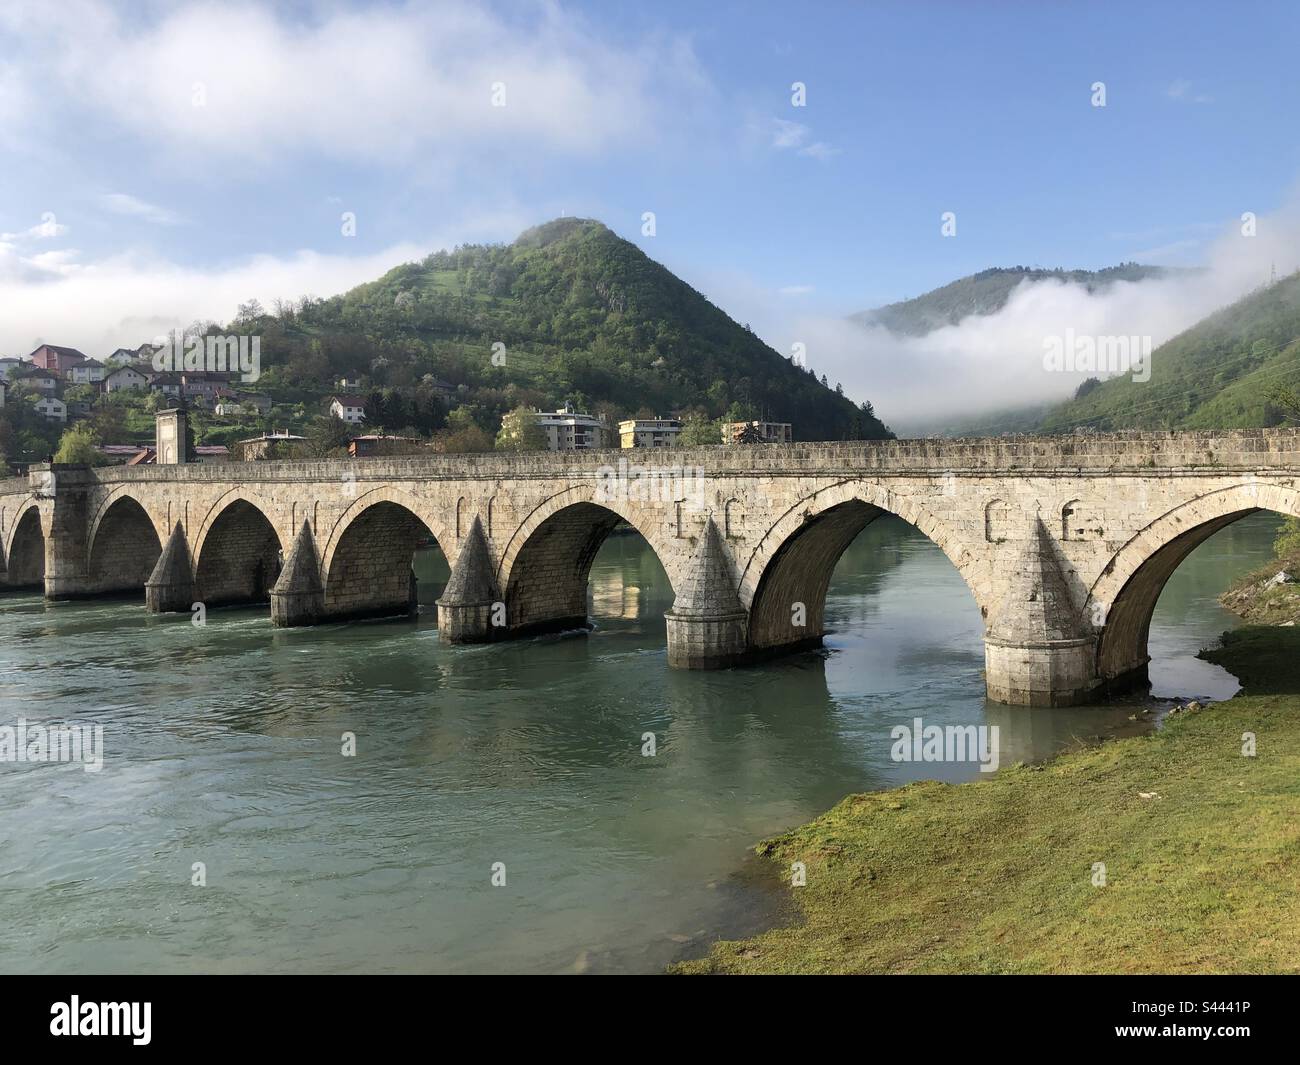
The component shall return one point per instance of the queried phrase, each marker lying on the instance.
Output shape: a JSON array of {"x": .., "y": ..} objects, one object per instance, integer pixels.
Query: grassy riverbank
[
  {"x": 996, "y": 876},
  {"x": 1258, "y": 597}
]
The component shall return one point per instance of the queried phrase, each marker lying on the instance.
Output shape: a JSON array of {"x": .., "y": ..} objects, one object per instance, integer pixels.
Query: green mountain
[
  {"x": 569, "y": 311},
  {"x": 1219, "y": 374},
  {"x": 987, "y": 293}
]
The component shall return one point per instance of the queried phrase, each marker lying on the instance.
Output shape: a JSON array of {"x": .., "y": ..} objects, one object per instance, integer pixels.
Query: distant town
[{"x": 59, "y": 403}]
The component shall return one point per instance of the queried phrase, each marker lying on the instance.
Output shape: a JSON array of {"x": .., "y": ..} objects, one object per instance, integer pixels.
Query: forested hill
[
  {"x": 1230, "y": 370},
  {"x": 987, "y": 293},
  {"x": 569, "y": 311}
]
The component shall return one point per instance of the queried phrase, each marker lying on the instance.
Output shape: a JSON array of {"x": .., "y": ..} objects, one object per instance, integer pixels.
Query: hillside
[
  {"x": 1217, "y": 375},
  {"x": 987, "y": 293},
  {"x": 572, "y": 312}
]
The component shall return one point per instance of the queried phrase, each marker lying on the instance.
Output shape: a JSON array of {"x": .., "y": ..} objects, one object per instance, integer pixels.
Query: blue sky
[{"x": 166, "y": 207}]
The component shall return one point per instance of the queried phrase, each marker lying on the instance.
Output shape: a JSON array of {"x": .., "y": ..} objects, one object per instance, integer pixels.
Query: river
[{"x": 223, "y": 746}]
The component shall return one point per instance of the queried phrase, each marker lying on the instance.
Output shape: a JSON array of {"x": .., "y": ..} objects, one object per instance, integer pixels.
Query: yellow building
[{"x": 649, "y": 432}]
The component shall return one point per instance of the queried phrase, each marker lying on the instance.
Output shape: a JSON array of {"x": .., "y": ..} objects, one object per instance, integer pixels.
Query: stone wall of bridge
[{"x": 1064, "y": 542}]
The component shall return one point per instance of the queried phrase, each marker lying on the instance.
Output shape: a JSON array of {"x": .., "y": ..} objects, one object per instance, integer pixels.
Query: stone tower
[{"x": 171, "y": 436}]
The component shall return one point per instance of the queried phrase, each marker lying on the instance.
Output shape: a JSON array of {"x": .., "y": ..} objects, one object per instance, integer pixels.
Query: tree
[
  {"x": 520, "y": 431},
  {"x": 1286, "y": 400},
  {"x": 109, "y": 419},
  {"x": 466, "y": 416},
  {"x": 1287, "y": 544},
  {"x": 326, "y": 436},
  {"x": 698, "y": 430},
  {"x": 459, "y": 441},
  {"x": 79, "y": 445}
]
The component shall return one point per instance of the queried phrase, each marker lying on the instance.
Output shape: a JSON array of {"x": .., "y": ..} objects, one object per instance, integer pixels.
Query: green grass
[{"x": 995, "y": 876}]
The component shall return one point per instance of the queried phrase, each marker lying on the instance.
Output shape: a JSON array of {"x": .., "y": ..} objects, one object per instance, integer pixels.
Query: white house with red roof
[{"x": 348, "y": 408}]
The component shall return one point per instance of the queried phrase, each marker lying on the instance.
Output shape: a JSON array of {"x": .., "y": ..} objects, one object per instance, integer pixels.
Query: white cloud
[
  {"x": 375, "y": 84},
  {"x": 122, "y": 203},
  {"x": 62, "y": 262},
  {"x": 127, "y": 299},
  {"x": 787, "y": 135},
  {"x": 1181, "y": 90},
  {"x": 995, "y": 362},
  {"x": 46, "y": 229},
  {"x": 820, "y": 150}
]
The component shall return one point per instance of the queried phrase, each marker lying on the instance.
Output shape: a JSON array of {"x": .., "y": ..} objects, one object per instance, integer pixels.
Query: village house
[
  {"x": 124, "y": 379},
  {"x": 277, "y": 444},
  {"x": 38, "y": 380},
  {"x": 233, "y": 404},
  {"x": 204, "y": 387},
  {"x": 53, "y": 408},
  {"x": 350, "y": 382},
  {"x": 444, "y": 390},
  {"x": 347, "y": 408},
  {"x": 169, "y": 384},
  {"x": 90, "y": 372},
  {"x": 56, "y": 359},
  {"x": 10, "y": 363},
  {"x": 206, "y": 453}
]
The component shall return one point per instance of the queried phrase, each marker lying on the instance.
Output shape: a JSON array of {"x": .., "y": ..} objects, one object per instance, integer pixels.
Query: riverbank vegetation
[
  {"x": 1200, "y": 845},
  {"x": 1265, "y": 659},
  {"x": 1270, "y": 595}
]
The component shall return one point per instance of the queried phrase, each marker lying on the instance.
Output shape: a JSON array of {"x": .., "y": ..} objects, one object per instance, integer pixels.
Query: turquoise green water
[{"x": 223, "y": 747}]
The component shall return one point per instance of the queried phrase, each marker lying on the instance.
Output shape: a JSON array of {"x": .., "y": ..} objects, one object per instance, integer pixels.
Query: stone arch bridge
[{"x": 1064, "y": 542}]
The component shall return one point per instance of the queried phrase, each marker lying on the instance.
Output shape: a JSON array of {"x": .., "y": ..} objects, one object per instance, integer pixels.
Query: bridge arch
[
  {"x": 367, "y": 560},
  {"x": 238, "y": 553},
  {"x": 25, "y": 552},
  {"x": 793, "y": 562},
  {"x": 106, "y": 503},
  {"x": 1122, "y": 600},
  {"x": 425, "y": 512},
  {"x": 123, "y": 546},
  {"x": 544, "y": 570}
]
